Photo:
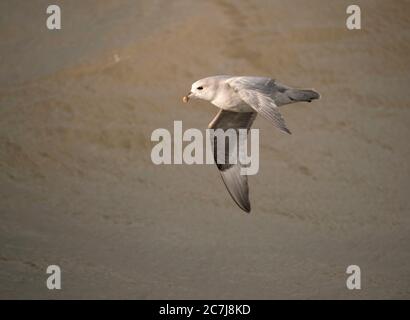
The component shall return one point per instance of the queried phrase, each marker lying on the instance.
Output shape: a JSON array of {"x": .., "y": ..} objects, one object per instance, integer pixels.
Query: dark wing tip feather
[{"x": 236, "y": 184}]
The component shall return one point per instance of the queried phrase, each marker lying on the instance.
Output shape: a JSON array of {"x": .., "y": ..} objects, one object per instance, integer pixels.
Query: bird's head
[{"x": 204, "y": 89}]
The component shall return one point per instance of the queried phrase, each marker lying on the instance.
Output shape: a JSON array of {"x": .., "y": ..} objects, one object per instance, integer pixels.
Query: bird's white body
[
  {"x": 231, "y": 102},
  {"x": 227, "y": 98}
]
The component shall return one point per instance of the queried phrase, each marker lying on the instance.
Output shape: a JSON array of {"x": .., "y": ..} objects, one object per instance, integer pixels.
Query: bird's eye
[{"x": 199, "y": 88}]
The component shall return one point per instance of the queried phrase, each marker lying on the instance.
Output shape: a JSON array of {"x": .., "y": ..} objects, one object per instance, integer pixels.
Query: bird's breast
[{"x": 231, "y": 102}]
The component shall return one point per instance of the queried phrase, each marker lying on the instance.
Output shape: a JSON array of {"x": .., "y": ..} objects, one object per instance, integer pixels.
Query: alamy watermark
[
  {"x": 53, "y": 21},
  {"x": 230, "y": 146},
  {"x": 354, "y": 20},
  {"x": 53, "y": 281},
  {"x": 354, "y": 280}
]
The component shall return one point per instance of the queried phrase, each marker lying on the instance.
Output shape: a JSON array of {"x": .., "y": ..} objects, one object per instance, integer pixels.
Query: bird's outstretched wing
[
  {"x": 258, "y": 92},
  {"x": 236, "y": 183}
]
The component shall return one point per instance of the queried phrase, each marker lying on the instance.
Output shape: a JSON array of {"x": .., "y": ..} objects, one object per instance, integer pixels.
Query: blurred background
[{"x": 78, "y": 188}]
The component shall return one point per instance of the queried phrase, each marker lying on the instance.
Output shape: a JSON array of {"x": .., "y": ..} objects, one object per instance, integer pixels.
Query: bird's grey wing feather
[
  {"x": 255, "y": 92},
  {"x": 263, "y": 85},
  {"x": 265, "y": 106},
  {"x": 236, "y": 183},
  {"x": 280, "y": 94}
]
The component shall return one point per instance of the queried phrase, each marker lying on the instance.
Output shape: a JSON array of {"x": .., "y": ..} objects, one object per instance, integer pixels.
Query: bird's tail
[{"x": 306, "y": 95}]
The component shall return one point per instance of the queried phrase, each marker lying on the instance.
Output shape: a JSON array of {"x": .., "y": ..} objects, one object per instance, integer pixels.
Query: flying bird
[{"x": 240, "y": 99}]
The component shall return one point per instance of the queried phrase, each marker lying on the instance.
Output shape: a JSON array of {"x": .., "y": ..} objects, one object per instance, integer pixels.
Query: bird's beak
[{"x": 186, "y": 98}]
